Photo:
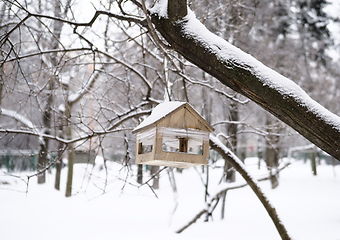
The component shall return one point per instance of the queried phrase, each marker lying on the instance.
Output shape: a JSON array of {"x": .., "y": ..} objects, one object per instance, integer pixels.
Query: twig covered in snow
[
  {"x": 234, "y": 161},
  {"x": 215, "y": 198},
  {"x": 24, "y": 120},
  {"x": 65, "y": 141},
  {"x": 80, "y": 93}
]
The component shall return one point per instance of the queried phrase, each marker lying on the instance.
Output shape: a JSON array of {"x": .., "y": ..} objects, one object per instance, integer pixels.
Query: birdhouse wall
[
  {"x": 179, "y": 159},
  {"x": 146, "y": 138}
]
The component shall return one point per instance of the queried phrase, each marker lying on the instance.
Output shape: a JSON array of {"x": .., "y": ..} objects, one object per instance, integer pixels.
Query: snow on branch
[
  {"x": 244, "y": 74},
  {"x": 40, "y": 135},
  {"x": 80, "y": 93},
  {"x": 227, "y": 52},
  {"x": 234, "y": 161},
  {"x": 214, "y": 200},
  {"x": 24, "y": 120}
]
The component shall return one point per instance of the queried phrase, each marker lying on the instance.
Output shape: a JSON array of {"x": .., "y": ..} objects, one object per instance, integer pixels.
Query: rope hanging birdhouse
[{"x": 174, "y": 135}]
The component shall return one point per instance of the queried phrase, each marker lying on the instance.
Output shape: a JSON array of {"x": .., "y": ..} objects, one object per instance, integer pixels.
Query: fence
[
  {"x": 26, "y": 160},
  {"x": 18, "y": 160}
]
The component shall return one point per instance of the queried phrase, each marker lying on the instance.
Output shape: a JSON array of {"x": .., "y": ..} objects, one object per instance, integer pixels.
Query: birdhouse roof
[{"x": 166, "y": 109}]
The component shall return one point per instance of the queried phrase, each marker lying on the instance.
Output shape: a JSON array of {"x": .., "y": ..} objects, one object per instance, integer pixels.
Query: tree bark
[
  {"x": 59, "y": 163},
  {"x": 140, "y": 174},
  {"x": 313, "y": 163},
  {"x": 177, "y": 10},
  {"x": 70, "y": 149},
  {"x": 272, "y": 151},
  {"x": 43, "y": 152},
  {"x": 232, "y": 132},
  {"x": 154, "y": 170},
  {"x": 69, "y": 182},
  {"x": 244, "y": 80},
  {"x": 43, "y": 159}
]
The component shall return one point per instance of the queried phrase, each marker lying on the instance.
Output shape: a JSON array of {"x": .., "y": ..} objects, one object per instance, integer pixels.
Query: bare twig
[
  {"x": 192, "y": 221},
  {"x": 153, "y": 176}
]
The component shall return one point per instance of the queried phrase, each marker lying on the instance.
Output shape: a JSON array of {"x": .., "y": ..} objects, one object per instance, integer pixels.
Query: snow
[
  {"x": 333, "y": 9},
  {"x": 76, "y": 96},
  {"x": 62, "y": 108},
  {"x": 160, "y": 8},
  {"x": 24, "y": 120},
  {"x": 18, "y": 117},
  {"x": 227, "y": 151},
  {"x": 226, "y": 52},
  {"x": 160, "y": 111},
  {"x": 308, "y": 206}
]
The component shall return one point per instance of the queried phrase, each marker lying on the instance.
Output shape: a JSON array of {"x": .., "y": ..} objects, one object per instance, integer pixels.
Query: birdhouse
[{"x": 174, "y": 135}]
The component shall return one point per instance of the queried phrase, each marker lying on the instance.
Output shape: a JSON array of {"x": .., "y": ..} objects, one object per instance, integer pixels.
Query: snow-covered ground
[{"x": 308, "y": 205}]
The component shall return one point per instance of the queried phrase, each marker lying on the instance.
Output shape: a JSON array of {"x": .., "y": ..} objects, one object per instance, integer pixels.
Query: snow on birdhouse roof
[{"x": 159, "y": 112}]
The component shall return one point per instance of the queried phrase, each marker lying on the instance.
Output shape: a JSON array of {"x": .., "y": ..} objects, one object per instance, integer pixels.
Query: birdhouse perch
[{"x": 174, "y": 135}]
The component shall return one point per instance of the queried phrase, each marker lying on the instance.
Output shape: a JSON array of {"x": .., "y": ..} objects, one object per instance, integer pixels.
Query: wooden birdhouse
[{"x": 174, "y": 135}]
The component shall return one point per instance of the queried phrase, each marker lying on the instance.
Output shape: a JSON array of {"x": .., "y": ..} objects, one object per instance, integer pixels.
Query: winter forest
[{"x": 77, "y": 77}]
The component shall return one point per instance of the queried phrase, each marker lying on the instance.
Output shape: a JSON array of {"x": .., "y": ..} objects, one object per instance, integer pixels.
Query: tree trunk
[
  {"x": 42, "y": 159},
  {"x": 224, "y": 197},
  {"x": 59, "y": 166},
  {"x": 59, "y": 163},
  {"x": 69, "y": 182},
  {"x": 1, "y": 84},
  {"x": 297, "y": 110},
  {"x": 140, "y": 174},
  {"x": 70, "y": 150},
  {"x": 272, "y": 151},
  {"x": 232, "y": 133},
  {"x": 43, "y": 153},
  {"x": 271, "y": 158},
  {"x": 154, "y": 170},
  {"x": 313, "y": 163}
]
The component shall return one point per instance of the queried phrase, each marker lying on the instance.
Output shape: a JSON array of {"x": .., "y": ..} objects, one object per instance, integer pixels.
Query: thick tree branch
[{"x": 244, "y": 74}]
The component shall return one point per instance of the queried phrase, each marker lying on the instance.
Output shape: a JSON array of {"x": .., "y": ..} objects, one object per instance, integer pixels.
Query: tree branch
[
  {"x": 238, "y": 165},
  {"x": 218, "y": 195},
  {"x": 192, "y": 221},
  {"x": 249, "y": 77}
]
